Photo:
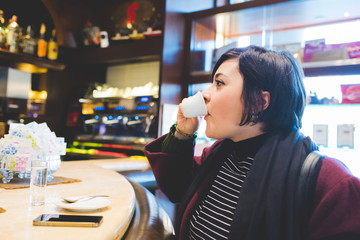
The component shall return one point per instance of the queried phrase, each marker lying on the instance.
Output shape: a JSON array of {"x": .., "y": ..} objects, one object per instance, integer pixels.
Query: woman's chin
[{"x": 210, "y": 134}]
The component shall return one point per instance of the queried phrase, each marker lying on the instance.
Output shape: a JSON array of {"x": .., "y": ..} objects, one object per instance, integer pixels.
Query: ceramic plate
[{"x": 84, "y": 206}]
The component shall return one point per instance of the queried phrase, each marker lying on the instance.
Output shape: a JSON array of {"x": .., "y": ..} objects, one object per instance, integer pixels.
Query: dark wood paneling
[
  {"x": 172, "y": 59},
  {"x": 204, "y": 77},
  {"x": 64, "y": 90},
  {"x": 69, "y": 18}
]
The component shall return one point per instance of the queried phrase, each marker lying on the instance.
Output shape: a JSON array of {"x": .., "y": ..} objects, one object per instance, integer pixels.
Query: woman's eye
[{"x": 219, "y": 83}]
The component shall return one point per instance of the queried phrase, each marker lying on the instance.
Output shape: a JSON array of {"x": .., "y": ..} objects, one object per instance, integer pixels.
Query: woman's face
[{"x": 225, "y": 105}]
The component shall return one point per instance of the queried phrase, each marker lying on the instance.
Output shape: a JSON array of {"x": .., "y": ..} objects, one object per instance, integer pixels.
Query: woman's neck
[{"x": 248, "y": 131}]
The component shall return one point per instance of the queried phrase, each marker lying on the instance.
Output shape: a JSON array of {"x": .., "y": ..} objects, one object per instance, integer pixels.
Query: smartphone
[{"x": 67, "y": 220}]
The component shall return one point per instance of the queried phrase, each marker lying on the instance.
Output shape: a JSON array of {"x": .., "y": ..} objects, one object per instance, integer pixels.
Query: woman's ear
[{"x": 266, "y": 98}]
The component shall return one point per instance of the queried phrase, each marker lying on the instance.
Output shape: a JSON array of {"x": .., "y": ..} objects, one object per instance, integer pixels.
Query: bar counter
[{"x": 16, "y": 221}]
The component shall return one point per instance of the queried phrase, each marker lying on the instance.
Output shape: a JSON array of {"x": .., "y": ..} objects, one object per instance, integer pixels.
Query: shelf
[
  {"x": 353, "y": 105},
  {"x": 16, "y": 59},
  {"x": 117, "y": 52},
  {"x": 323, "y": 68},
  {"x": 132, "y": 50},
  {"x": 335, "y": 67},
  {"x": 333, "y": 63}
]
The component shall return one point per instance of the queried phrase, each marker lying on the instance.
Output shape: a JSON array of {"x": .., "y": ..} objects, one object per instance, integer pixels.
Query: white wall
[{"x": 133, "y": 74}]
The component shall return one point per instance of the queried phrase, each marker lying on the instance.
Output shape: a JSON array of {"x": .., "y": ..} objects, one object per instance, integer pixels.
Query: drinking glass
[{"x": 38, "y": 181}]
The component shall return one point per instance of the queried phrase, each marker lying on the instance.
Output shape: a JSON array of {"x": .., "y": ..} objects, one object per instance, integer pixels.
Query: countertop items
[
  {"x": 16, "y": 221},
  {"x": 84, "y": 206}
]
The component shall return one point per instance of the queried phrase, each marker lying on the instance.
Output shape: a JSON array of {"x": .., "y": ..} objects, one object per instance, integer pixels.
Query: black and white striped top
[{"x": 213, "y": 216}]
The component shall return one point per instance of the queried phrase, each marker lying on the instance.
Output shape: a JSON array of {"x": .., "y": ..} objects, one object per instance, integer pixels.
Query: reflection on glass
[
  {"x": 239, "y": 1},
  {"x": 329, "y": 87},
  {"x": 320, "y": 33},
  {"x": 297, "y": 26},
  {"x": 220, "y": 3}
]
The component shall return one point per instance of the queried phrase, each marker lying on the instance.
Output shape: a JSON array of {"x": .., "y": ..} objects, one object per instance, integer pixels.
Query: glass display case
[{"x": 324, "y": 35}]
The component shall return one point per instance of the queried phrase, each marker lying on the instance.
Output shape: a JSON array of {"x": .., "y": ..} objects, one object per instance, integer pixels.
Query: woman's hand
[{"x": 186, "y": 125}]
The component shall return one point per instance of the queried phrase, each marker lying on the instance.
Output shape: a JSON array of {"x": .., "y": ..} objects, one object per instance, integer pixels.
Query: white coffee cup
[{"x": 193, "y": 106}]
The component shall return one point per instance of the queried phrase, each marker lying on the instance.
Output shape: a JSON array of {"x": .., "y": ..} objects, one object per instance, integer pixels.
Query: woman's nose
[{"x": 206, "y": 96}]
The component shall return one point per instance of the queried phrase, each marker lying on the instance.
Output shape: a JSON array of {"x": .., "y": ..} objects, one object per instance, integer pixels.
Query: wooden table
[
  {"x": 123, "y": 165},
  {"x": 16, "y": 222}
]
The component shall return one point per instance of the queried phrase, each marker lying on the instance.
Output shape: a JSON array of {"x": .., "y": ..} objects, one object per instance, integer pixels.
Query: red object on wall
[
  {"x": 350, "y": 93},
  {"x": 72, "y": 119},
  {"x": 131, "y": 12}
]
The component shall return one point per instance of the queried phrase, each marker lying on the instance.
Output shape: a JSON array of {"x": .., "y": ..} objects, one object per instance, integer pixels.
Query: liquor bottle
[
  {"x": 3, "y": 30},
  {"x": 42, "y": 43},
  {"x": 53, "y": 48},
  {"x": 13, "y": 36},
  {"x": 28, "y": 42}
]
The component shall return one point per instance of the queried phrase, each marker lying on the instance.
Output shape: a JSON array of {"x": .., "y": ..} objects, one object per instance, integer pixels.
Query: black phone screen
[{"x": 83, "y": 220}]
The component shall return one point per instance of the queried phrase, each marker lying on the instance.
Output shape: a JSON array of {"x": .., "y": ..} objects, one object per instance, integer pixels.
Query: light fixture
[{"x": 31, "y": 68}]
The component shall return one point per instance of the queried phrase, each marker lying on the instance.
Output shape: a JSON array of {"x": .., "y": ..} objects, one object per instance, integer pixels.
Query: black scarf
[{"x": 266, "y": 204}]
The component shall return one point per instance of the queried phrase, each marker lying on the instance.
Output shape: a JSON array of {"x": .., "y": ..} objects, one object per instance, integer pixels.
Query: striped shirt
[{"x": 213, "y": 217}]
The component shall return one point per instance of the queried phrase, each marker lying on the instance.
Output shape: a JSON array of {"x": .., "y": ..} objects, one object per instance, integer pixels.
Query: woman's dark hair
[{"x": 281, "y": 75}]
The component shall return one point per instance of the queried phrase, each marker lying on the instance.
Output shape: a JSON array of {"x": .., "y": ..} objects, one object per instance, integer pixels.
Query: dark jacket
[{"x": 267, "y": 197}]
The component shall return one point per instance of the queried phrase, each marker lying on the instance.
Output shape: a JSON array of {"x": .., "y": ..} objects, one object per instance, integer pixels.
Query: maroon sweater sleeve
[
  {"x": 337, "y": 203},
  {"x": 173, "y": 171}
]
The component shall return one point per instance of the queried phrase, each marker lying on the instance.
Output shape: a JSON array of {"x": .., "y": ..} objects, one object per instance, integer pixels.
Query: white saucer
[{"x": 84, "y": 206}]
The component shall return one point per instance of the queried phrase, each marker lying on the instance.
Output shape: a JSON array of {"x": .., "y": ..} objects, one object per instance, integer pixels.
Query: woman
[{"x": 244, "y": 186}]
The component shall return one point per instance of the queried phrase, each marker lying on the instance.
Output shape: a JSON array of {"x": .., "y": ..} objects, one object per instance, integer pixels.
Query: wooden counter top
[
  {"x": 16, "y": 222},
  {"x": 123, "y": 164}
]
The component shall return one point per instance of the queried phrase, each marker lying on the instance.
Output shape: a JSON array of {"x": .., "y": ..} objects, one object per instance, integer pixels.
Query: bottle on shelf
[
  {"x": 42, "y": 43},
  {"x": 3, "y": 30},
  {"x": 53, "y": 48},
  {"x": 13, "y": 36},
  {"x": 28, "y": 42},
  {"x": 158, "y": 23}
]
